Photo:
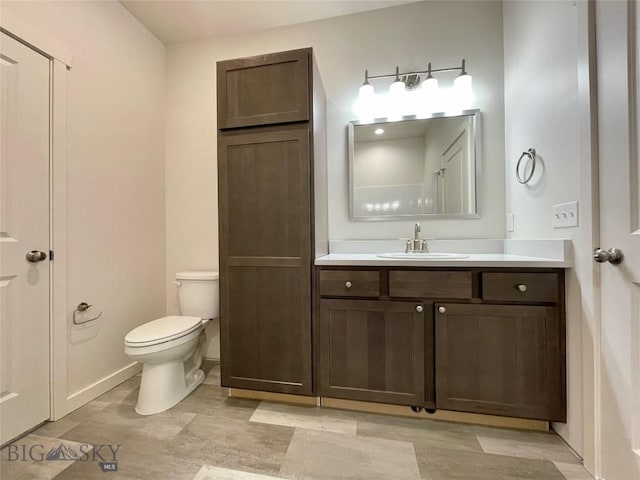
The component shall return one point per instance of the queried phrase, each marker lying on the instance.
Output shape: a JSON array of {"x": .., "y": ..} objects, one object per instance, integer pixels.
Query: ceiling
[{"x": 175, "y": 21}]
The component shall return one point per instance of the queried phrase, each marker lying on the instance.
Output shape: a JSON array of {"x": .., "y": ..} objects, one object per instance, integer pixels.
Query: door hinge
[{"x": 51, "y": 255}]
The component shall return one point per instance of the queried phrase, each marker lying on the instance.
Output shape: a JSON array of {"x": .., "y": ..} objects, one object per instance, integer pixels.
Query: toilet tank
[{"x": 198, "y": 294}]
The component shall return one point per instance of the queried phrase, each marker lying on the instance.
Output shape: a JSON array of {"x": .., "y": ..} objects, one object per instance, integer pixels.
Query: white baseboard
[
  {"x": 213, "y": 359},
  {"x": 84, "y": 396}
]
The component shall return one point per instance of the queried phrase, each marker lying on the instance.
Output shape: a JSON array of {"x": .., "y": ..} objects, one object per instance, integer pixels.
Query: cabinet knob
[
  {"x": 442, "y": 310},
  {"x": 522, "y": 287},
  {"x": 347, "y": 284},
  {"x": 419, "y": 309}
]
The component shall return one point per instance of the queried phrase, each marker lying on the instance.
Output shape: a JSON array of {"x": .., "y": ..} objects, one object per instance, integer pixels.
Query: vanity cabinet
[
  {"x": 500, "y": 359},
  {"x": 487, "y": 340},
  {"x": 272, "y": 223},
  {"x": 372, "y": 350}
]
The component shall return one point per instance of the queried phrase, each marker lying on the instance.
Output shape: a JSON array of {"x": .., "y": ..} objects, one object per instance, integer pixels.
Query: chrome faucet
[{"x": 417, "y": 245}]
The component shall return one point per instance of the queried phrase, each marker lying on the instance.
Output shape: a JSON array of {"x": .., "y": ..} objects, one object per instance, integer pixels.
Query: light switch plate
[
  {"x": 509, "y": 222},
  {"x": 564, "y": 215}
]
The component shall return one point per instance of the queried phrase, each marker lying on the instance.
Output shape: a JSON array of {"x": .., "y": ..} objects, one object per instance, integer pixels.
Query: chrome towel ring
[{"x": 531, "y": 155}]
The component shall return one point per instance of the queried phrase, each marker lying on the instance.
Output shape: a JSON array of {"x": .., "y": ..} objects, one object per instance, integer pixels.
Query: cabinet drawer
[
  {"x": 520, "y": 287},
  {"x": 349, "y": 283},
  {"x": 434, "y": 284}
]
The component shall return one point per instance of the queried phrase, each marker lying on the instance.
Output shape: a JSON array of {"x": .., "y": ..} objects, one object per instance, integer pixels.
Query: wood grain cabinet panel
[
  {"x": 264, "y": 90},
  {"x": 349, "y": 283},
  {"x": 372, "y": 350},
  {"x": 501, "y": 360},
  {"x": 265, "y": 260},
  {"x": 267, "y": 329},
  {"x": 265, "y": 193},
  {"x": 430, "y": 284},
  {"x": 520, "y": 287}
]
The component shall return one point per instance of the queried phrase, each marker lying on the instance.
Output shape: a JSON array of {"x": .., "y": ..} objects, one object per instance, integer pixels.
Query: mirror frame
[{"x": 476, "y": 123}]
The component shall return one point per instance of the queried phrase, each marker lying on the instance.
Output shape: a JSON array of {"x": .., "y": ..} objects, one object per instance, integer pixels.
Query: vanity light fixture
[
  {"x": 462, "y": 86},
  {"x": 397, "y": 98},
  {"x": 378, "y": 131},
  {"x": 430, "y": 82},
  {"x": 398, "y": 86},
  {"x": 404, "y": 99},
  {"x": 366, "y": 104},
  {"x": 366, "y": 90}
]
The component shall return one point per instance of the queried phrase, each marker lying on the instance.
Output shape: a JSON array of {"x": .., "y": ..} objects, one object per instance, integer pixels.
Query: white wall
[
  {"x": 408, "y": 36},
  {"x": 115, "y": 182},
  {"x": 396, "y": 161},
  {"x": 546, "y": 107},
  {"x": 387, "y": 176}
]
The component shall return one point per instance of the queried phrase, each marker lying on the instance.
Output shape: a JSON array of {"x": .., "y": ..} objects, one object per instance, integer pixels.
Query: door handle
[
  {"x": 36, "y": 256},
  {"x": 613, "y": 255}
]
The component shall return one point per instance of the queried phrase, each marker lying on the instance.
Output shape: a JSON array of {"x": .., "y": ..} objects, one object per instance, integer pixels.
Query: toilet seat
[{"x": 162, "y": 330}]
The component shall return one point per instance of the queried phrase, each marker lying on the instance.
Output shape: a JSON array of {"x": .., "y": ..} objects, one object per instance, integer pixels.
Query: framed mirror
[{"x": 415, "y": 167}]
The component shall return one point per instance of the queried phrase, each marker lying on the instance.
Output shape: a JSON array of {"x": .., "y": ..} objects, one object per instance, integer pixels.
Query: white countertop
[
  {"x": 473, "y": 260},
  {"x": 532, "y": 253}
]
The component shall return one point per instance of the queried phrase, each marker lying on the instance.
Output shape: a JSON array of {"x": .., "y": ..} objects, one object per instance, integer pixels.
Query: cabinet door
[
  {"x": 265, "y": 260},
  {"x": 501, "y": 359},
  {"x": 372, "y": 350},
  {"x": 264, "y": 90}
]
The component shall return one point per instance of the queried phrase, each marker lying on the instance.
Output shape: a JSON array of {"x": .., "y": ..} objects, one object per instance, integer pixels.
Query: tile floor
[{"x": 209, "y": 436}]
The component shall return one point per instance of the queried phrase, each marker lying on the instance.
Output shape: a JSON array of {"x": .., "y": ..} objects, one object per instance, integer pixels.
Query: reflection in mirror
[{"x": 414, "y": 167}]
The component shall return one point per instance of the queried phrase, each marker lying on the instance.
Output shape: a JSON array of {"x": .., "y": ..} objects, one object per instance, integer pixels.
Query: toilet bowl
[{"x": 170, "y": 348}]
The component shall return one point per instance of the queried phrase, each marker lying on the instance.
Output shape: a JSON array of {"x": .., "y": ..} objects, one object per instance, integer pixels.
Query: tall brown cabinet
[{"x": 272, "y": 217}]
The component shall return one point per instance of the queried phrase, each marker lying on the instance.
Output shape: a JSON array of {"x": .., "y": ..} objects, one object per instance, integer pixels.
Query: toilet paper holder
[{"x": 83, "y": 307}]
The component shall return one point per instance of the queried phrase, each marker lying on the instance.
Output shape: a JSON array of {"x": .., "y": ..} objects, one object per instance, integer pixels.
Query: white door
[
  {"x": 24, "y": 226},
  {"x": 618, "y": 69}
]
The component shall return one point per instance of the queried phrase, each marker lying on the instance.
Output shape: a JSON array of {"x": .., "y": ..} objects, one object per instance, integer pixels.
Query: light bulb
[
  {"x": 397, "y": 88},
  {"x": 429, "y": 92},
  {"x": 366, "y": 91},
  {"x": 396, "y": 100},
  {"x": 430, "y": 85},
  {"x": 463, "y": 91},
  {"x": 365, "y": 104}
]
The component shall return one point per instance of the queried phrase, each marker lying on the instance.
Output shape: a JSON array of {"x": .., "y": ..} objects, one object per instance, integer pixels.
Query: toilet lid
[
  {"x": 197, "y": 275},
  {"x": 162, "y": 330}
]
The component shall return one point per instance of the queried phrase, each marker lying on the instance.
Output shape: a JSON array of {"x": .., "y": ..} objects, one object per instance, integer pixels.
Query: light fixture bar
[{"x": 417, "y": 72}]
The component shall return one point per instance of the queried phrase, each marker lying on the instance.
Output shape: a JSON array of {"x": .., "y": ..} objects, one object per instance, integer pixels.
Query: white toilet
[{"x": 170, "y": 348}]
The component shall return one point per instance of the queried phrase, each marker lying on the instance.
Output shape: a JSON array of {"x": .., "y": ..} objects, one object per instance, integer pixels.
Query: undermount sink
[{"x": 423, "y": 256}]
